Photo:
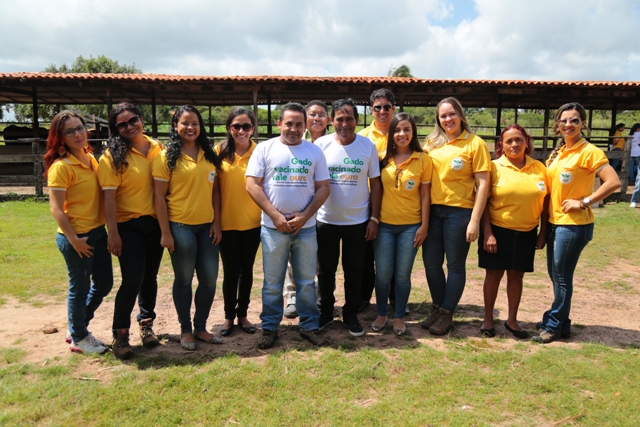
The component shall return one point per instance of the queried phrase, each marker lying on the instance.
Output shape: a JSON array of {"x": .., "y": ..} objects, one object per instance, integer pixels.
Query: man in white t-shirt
[
  {"x": 288, "y": 178},
  {"x": 350, "y": 213}
]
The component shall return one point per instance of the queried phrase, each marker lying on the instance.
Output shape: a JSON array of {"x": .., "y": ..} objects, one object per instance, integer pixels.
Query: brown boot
[
  {"x": 148, "y": 337},
  {"x": 121, "y": 348},
  {"x": 444, "y": 323},
  {"x": 432, "y": 316}
]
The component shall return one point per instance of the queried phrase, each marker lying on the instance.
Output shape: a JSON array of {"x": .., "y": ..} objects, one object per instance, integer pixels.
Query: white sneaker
[
  {"x": 633, "y": 205},
  {"x": 87, "y": 345},
  {"x": 93, "y": 339}
]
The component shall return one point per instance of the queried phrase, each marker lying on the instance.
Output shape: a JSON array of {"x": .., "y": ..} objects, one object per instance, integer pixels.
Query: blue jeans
[
  {"x": 393, "y": 251},
  {"x": 634, "y": 163},
  {"x": 447, "y": 236},
  {"x": 566, "y": 242},
  {"x": 90, "y": 279},
  {"x": 276, "y": 247},
  {"x": 193, "y": 251},
  {"x": 636, "y": 190}
]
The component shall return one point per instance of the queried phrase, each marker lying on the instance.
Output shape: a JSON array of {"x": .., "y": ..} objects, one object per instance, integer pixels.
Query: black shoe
[
  {"x": 354, "y": 327},
  {"x": 488, "y": 333},
  {"x": 315, "y": 337},
  {"x": 325, "y": 320},
  {"x": 227, "y": 332},
  {"x": 516, "y": 333}
]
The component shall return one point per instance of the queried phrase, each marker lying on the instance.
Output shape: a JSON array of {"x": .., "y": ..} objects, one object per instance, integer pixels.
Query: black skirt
[{"x": 516, "y": 250}]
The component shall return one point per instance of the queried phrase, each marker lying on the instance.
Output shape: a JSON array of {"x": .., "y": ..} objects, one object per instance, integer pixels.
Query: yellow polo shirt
[
  {"x": 83, "y": 199},
  {"x": 189, "y": 198},
  {"x": 134, "y": 187},
  {"x": 238, "y": 210},
  {"x": 454, "y": 166},
  {"x": 401, "y": 189},
  {"x": 618, "y": 140},
  {"x": 378, "y": 138},
  {"x": 516, "y": 198},
  {"x": 571, "y": 176}
]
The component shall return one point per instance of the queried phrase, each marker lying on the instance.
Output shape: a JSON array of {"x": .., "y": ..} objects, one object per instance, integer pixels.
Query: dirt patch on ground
[{"x": 601, "y": 313}]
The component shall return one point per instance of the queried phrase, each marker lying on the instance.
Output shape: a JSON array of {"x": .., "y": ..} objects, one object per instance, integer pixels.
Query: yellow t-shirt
[
  {"x": 83, "y": 199},
  {"x": 378, "y": 138},
  {"x": 516, "y": 198},
  {"x": 571, "y": 176},
  {"x": 238, "y": 210},
  {"x": 134, "y": 187},
  {"x": 618, "y": 140},
  {"x": 454, "y": 165},
  {"x": 401, "y": 189},
  {"x": 190, "y": 193}
]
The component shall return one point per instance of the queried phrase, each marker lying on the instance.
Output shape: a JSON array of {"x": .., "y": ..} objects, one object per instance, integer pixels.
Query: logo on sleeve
[
  {"x": 410, "y": 184},
  {"x": 566, "y": 177},
  {"x": 541, "y": 187},
  {"x": 212, "y": 175},
  {"x": 457, "y": 163}
]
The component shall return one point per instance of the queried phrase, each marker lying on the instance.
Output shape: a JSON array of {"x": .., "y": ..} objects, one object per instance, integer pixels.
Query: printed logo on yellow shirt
[
  {"x": 212, "y": 175},
  {"x": 410, "y": 184},
  {"x": 541, "y": 187},
  {"x": 566, "y": 177},
  {"x": 457, "y": 163}
]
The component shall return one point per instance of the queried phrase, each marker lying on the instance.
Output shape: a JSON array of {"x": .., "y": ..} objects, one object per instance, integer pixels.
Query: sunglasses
[
  {"x": 245, "y": 127},
  {"x": 72, "y": 131},
  {"x": 131, "y": 122},
  {"x": 378, "y": 108},
  {"x": 573, "y": 122}
]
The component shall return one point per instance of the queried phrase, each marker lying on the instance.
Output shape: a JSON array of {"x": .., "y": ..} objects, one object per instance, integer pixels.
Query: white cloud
[{"x": 498, "y": 39}]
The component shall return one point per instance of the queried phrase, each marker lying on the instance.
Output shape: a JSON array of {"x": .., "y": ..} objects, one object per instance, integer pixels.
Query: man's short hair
[
  {"x": 316, "y": 102},
  {"x": 382, "y": 93},
  {"x": 293, "y": 106},
  {"x": 340, "y": 104}
]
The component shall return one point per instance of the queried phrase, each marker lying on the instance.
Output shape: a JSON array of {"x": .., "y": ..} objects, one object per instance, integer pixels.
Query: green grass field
[{"x": 462, "y": 382}]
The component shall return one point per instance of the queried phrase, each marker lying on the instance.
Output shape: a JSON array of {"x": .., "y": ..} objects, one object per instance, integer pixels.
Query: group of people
[{"x": 372, "y": 198}]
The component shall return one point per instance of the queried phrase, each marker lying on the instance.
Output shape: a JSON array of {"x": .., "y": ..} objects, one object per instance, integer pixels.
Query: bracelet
[{"x": 374, "y": 219}]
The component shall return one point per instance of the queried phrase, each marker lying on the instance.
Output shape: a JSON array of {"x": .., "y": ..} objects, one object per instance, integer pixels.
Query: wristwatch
[{"x": 584, "y": 203}]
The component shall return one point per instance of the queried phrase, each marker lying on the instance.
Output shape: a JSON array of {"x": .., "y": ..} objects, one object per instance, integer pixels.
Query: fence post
[{"x": 37, "y": 168}]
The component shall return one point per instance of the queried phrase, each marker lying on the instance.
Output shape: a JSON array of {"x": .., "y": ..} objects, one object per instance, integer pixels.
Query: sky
[{"x": 437, "y": 39}]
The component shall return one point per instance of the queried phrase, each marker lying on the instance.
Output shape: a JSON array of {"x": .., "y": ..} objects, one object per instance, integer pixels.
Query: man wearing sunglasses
[
  {"x": 349, "y": 214},
  {"x": 317, "y": 120},
  {"x": 383, "y": 110}
]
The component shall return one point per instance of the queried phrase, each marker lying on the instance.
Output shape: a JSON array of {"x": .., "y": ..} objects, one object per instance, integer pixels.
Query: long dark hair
[
  {"x": 228, "y": 147},
  {"x": 55, "y": 141},
  {"x": 174, "y": 146},
  {"x": 500, "y": 149},
  {"x": 414, "y": 144},
  {"x": 569, "y": 106},
  {"x": 118, "y": 145}
]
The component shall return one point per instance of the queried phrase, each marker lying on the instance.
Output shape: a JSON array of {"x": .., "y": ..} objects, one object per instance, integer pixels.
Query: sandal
[
  {"x": 399, "y": 332},
  {"x": 211, "y": 339},
  {"x": 378, "y": 328},
  {"x": 187, "y": 342}
]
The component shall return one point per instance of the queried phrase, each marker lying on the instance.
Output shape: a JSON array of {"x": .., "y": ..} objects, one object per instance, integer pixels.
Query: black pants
[
  {"x": 369, "y": 277},
  {"x": 238, "y": 252},
  {"x": 353, "y": 248},
  {"x": 139, "y": 264}
]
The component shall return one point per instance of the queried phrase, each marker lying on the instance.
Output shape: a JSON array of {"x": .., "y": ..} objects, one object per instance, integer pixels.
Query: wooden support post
[
  {"x": 515, "y": 115},
  {"x": 269, "y": 127},
  {"x": 37, "y": 168},
  {"x": 614, "y": 116},
  {"x": 35, "y": 124},
  {"x": 401, "y": 103},
  {"x": 499, "y": 117},
  {"x": 255, "y": 111},
  {"x": 590, "y": 125},
  {"x": 154, "y": 117},
  {"x": 109, "y": 107},
  {"x": 545, "y": 130}
]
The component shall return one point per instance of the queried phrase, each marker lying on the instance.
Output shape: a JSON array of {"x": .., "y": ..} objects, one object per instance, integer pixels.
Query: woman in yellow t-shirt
[
  {"x": 509, "y": 235},
  {"x": 572, "y": 168},
  {"x": 459, "y": 188},
  {"x": 239, "y": 219},
  {"x": 617, "y": 143},
  {"x": 405, "y": 172},
  {"x": 134, "y": 233},
  {"x": 185, "y": 203},
  {"x": 76, "y": 205}
]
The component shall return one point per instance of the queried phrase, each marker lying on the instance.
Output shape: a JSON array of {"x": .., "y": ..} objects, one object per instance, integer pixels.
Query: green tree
[{"x": 401, "y": 71}]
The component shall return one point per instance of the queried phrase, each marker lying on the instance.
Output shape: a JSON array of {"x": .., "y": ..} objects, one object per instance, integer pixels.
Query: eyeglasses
[
  {"x": 317, "y": 116},
  {"x": 398, "y": 173},
  {"x": 245, "y": 126},
  {"x": 72, "y": 131},
  {"x": 131, "y": 122},
  {"x": 573, "y": 122},
  {"x": 378, "y": 108}
]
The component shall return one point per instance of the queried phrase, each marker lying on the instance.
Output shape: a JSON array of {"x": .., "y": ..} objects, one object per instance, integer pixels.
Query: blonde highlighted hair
[{"x": 438, "y": 137}]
